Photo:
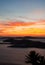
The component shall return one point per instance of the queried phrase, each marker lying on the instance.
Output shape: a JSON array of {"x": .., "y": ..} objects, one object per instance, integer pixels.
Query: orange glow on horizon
[{"x": 23, "y": 29}]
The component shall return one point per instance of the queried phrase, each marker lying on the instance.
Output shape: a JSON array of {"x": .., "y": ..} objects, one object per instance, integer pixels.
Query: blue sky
[{"x": 34, "y": 9}]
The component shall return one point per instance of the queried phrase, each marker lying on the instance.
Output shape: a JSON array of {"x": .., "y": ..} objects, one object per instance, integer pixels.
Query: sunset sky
[{"x": 22, "y": 18}]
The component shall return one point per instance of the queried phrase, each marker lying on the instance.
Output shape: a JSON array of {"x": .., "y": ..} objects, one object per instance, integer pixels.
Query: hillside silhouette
[{"x": 24, "y": 42}]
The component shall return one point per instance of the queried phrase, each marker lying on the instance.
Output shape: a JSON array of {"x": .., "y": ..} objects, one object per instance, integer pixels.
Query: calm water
[
  {"x": 16, "y": 55},
  {"x": 41, "y": 40}
]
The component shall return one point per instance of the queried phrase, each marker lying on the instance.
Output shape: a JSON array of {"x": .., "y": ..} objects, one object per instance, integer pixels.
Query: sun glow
[{"x": 23, "y": 29}]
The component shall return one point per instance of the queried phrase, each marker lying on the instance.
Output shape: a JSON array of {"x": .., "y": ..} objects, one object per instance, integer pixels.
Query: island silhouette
[{"x": 24, "y": 42}]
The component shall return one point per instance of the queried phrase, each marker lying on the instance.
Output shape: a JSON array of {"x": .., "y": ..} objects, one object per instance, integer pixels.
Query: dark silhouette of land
[{"x": 24, "y": 42}]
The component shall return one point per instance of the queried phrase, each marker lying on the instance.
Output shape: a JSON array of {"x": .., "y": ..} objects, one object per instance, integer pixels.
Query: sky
[
  {"x": 22, "y": 17},
  {"x": 34, "y": 9}
]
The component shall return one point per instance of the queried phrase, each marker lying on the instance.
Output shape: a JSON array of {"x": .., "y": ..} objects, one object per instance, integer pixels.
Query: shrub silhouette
[
  {"x": 42, "y": 60},
  {"x": 35, "y": 58}
]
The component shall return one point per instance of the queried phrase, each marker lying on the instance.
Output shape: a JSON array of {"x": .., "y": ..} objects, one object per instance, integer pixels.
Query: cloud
[{"x": 23, "y": 28}]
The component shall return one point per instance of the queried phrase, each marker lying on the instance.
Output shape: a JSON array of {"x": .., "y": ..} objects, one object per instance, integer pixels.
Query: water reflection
[{"x": 16, "y": 55}]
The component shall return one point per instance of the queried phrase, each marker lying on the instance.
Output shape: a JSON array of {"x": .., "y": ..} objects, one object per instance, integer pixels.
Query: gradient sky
[
  {"x": 34, "y": 9},
  {"x": 22, "y": 18}
]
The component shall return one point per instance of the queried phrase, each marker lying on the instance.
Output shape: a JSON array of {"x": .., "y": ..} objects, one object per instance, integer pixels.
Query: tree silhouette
[
  {"x": 42, "y": 60},
  {"x": 35, "y": 58}
]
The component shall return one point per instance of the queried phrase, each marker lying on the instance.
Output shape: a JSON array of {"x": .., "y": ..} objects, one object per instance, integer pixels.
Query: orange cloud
[{"x": 23, "y": 28}]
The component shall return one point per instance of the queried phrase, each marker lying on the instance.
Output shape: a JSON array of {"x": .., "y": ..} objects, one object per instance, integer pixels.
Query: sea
[{"x": 17, "y": 55}]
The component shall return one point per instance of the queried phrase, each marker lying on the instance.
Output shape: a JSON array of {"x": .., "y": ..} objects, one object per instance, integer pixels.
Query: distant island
[
  {"x": 24, "y": 42},
  {"x": 24, "y": 37}
]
